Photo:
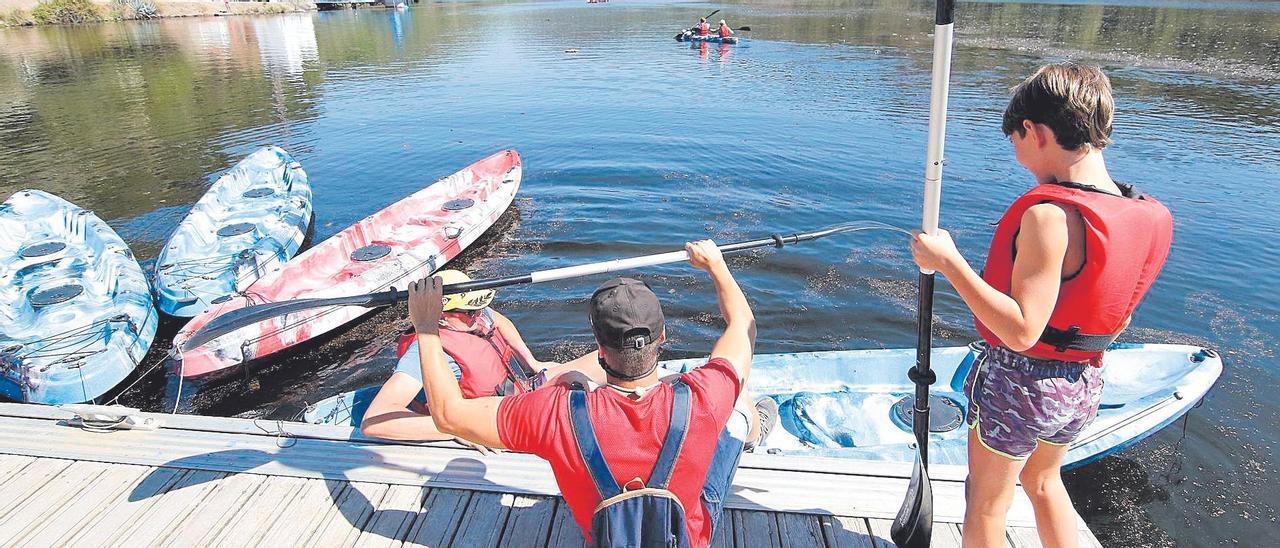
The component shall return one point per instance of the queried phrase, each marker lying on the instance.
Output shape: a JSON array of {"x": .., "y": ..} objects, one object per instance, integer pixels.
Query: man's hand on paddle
[
  {"x": 704, "y": 254},
  {"x": 426, "y": 303}
]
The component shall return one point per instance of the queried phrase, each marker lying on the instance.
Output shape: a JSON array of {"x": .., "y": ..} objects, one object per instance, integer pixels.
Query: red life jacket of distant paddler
[
  {"x": 1127, "y": 239},
  {"x": 489, "y": 365},
  {"x": 704, "y": 28}
]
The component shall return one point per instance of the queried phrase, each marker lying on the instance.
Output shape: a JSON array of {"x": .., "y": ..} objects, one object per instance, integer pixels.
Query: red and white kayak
[{"x": 404, "y": 242}]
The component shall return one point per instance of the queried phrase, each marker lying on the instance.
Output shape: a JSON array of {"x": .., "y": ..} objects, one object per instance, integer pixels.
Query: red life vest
[
  {"x": 1127, "y": 239},
  {"x": 704, "y": 29},
  {"x": 725, "y": 31},
  {"x": 489, "y": 366}
]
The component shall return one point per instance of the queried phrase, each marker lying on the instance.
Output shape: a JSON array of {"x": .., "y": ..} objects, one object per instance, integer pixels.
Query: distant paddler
[{"x": 724, "y": 30}]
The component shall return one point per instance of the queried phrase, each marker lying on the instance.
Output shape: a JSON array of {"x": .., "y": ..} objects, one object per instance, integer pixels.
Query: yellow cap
[{"x": 471, "y": 300}]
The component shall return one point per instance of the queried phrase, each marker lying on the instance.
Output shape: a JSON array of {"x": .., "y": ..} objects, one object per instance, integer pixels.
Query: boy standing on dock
[
  {"x": 1069, "y": 262},
  {"x": 639, "y": 461}
]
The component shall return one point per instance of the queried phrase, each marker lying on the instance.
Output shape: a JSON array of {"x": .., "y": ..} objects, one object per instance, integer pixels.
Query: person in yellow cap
[{"x": 487, "y": 356}]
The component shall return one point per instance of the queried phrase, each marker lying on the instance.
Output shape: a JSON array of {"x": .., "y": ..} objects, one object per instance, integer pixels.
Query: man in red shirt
[{"x": 634, "y": 406}]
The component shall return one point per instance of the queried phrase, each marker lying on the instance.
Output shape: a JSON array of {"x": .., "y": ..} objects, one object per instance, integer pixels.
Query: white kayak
[
  {"x": 75, "y": 308},
  {"x": 855, "y": 403},
  {"x": 249, "y": 223}
]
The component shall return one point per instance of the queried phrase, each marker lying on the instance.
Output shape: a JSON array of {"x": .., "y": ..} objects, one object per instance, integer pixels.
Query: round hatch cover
[
  {"x": 235, "y": 230},
  {"x": 945, "y": 413},
  {"x": 40, "y": 250},
  {"x": 370, "y": 252},
  {"x": 459, "y": 204},
  {"x": 260, "y": 192},
  {"x": 55, "y": 295}
]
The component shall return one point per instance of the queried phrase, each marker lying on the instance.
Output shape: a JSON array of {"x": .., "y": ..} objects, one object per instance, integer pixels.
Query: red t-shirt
[
  {"x": 704, "y": 29},
  {"x": 630, "y": 434}
]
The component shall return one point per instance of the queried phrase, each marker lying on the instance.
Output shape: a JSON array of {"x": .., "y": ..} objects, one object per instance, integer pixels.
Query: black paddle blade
[
  {"x": 744, "y": 28},
  {"x": 237, "y": 319},
  {"x": 913, "y": 526}
]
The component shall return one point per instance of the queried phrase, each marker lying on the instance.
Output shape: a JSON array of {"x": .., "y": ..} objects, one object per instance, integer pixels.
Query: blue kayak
[
  {"x": 249, "y": 223},
  {"x": 855, "y": 403},
  {"x": 75, "y": 308}
]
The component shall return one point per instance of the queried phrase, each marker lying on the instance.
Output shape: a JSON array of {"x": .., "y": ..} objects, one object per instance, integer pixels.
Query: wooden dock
[{"x": 206, "y": 481}]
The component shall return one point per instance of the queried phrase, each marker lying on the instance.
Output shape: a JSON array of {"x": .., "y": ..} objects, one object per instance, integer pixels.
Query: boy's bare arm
[
  {"x": 389, "y": 417},
  {"x": 1020, "y": 318},
  {"x": 512, "y": 335}
]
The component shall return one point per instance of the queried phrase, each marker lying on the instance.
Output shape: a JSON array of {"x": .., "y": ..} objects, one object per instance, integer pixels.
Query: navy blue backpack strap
[
  {"x": 585, "y": 434},
  {"x": 681, "y": 408}
]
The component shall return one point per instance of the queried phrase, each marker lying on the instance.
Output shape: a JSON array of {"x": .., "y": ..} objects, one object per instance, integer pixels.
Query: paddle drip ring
[
  {"x": 945, "y": 414},
  {"x": 459, "y": 204},
  {"x": 60, "y": 294},
  {"x": 370, "y": 252},
  {"x": 260, "y": 192},
  {"x": 40, "y": 250},
  {"x": 235, "y": 230}
]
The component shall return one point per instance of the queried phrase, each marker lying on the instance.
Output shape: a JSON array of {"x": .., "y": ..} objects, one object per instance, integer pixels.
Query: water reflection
[{"x": 820, "y": 118}]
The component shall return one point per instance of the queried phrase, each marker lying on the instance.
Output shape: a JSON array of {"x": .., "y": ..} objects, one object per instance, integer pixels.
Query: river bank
[{"x": 19, "y": 13}]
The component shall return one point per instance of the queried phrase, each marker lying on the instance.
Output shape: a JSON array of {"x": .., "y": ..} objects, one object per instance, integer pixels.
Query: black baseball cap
[{"x": 626, "y": 314}]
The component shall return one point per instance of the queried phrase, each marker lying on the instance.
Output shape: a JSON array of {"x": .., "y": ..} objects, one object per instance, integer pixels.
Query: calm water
[{"x": 634, "y": 143}]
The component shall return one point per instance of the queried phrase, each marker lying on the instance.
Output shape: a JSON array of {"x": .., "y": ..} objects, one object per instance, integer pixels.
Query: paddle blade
[
  {"x": 744, "y": 28},
  {"x": 249, "y": 315},
  {"x": 913, "y": 526}
]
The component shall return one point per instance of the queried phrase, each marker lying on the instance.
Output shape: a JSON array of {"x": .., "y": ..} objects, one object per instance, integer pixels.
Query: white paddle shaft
[
  {"x": 608, "y": 266},
  {"x": 942, "y": 38}
]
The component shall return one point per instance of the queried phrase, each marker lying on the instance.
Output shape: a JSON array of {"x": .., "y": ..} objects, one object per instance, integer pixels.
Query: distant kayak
[
  {"x": 75, "y": 308},
  {"x": 855, "y": 403},
  {"x": 687, "y": 36},
  {"x": 247, "y": 225},
  {"x": 401, "y": 243}
]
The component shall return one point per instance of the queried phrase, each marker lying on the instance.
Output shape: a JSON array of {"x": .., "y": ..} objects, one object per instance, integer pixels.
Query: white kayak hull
[{"x": 840, "y": 403}]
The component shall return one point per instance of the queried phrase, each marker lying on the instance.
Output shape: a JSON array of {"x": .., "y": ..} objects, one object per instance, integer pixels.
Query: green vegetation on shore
[{"x": 56, "y": 12}]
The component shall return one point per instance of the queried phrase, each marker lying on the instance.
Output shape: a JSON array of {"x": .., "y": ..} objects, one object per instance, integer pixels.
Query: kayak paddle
[
  {"x": 250, "y": 315},
  {"x": 707, "y": 16},
  {"x": 913, "y": 526}
]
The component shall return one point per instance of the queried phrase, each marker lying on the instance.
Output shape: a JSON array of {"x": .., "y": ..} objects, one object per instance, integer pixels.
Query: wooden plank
[
  {"x": 1022, "y": 537},
  {"x": 149, "y": 527},
  {"x": 945, "y": 535},
  {"x": 47, "y": 497},
  {"x": 722, "y": 537},
  {"x": 123, "y": 509},
  {"x": 483, "y": 520},
  {"x": 880, "y": 532},
  {"x": 12, "y": 464},
  {"x": 215, "y": 511},
  {"x": 846, "y": 493},
  {"x": 800, "y": 529},
  {"x": 393, "y": 517},
  {"x": 438, "y": 522},
  {"x": 303, "y": 514},
  {"x": 528, "y": 521},
  {"x": 342, "y": 523},
  {"x": 752, "y": 529},
  {"x": 84, "y": 505},
  {"x": 846, "y": 532},
  {"x": 20, "y": 486},
  {"x": 263, "y": 508},
  {"x": 564, "y": 531}
]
